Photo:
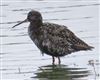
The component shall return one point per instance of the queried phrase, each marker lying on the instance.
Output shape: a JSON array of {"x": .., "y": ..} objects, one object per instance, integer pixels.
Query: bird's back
[{"x": 58, "y": 40}]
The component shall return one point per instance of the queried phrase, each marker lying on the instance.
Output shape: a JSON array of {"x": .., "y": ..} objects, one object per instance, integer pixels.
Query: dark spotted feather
[{"x": 58, "y": 40}]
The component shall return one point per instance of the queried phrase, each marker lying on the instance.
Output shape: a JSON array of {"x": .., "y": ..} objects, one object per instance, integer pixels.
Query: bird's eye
[{"x": 30, "y": 14}]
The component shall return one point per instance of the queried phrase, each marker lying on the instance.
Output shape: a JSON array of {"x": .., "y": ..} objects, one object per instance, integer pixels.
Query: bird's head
[{"x": 32, "y": 17}]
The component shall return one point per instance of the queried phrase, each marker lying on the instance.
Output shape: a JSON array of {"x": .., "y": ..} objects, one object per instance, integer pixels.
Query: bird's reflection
[{"x": 60, "y": 72}]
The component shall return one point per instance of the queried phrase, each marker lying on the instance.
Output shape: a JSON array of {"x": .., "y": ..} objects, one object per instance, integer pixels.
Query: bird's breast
[{"x": 35, "y": 36}]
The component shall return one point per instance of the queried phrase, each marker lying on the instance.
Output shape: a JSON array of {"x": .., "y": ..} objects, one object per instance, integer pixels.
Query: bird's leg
[
  {"x": 59, "y": 60},
  {"x": 53, "y": 60}
]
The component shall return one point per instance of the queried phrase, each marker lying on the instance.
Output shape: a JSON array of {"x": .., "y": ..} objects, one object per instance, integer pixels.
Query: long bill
[{"x": 20, "y": 23}]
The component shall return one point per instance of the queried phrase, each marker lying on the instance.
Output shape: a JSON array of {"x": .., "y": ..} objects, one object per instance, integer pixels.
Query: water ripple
[
  {"x": 72, "y": 6},
  {"x": 4, "y": 5},
  {"x": 10, "y": 22},
  {"x": 84, "y": 17},
  {"x": 21, "y": 9},
  {"x": 56, "y": 7},
  {"x": 16, "y": 43},
  {"x": 13, "y": 35},
  {"x": 60, "y": 72}
]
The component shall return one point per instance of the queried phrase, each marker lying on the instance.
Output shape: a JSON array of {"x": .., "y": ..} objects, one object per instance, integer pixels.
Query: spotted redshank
[{"x": 53, "y": 39}]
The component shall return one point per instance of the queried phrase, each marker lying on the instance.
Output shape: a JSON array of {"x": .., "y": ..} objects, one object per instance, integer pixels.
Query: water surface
[{"x": 22, "y": 60}]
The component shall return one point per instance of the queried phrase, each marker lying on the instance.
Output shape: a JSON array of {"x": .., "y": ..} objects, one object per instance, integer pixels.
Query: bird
[{"x": 53, "y": 39}]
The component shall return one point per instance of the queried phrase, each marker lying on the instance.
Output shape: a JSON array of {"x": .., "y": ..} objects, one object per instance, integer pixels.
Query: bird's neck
[
  {"x": 35, "y": 25},
  {"x": 34, "y": 30},
  {"x": 36, "y": 22}
]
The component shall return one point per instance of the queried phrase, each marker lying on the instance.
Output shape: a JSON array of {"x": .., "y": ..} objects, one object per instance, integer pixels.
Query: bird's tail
[
  {"x": 90, "y": 47},
  {"x": 82, "y": 47}
]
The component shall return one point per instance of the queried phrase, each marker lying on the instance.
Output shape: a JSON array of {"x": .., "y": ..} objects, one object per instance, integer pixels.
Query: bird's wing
[{"x": 58, "y": 38}]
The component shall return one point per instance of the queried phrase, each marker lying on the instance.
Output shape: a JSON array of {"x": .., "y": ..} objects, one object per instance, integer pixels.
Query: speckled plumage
[
  {"x": 57, "y": 40},
  {"x": 53, "y": 39}
]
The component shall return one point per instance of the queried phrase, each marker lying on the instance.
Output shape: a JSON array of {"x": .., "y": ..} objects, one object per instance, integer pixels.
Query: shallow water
[{"x": 20, "y": 58}]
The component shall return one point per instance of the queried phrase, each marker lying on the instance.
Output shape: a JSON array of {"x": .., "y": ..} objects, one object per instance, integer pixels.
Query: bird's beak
[{"x": 20, "y": 23}]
